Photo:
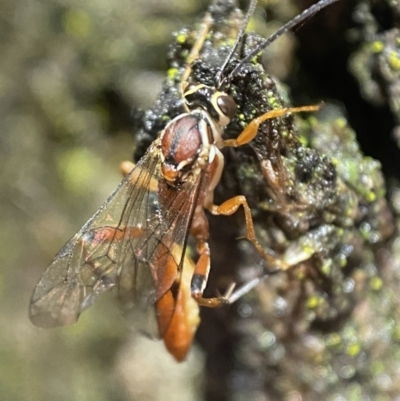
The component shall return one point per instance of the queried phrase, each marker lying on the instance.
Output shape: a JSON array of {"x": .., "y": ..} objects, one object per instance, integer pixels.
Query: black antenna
[
  {"x": 239, "y": 37},
  {"x": 289, "y": 25}
]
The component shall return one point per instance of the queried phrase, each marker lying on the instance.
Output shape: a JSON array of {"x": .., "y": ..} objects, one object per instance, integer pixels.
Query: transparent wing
[{"x": 131, "y": 242}]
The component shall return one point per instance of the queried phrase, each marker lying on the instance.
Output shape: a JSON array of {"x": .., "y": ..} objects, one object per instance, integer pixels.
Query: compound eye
[{"x": 226, "y": 105}]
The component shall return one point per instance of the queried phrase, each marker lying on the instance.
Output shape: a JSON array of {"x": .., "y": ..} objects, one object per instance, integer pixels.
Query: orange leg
[
  {"x": 250, "y": 131},
  {"x": 194, "y": 53},
  {"x": 199, "y": 231},
  {"x": 231, "y": 206},
  {"x": 200, "y": 277},
  {"x": 126, "y": 167}
]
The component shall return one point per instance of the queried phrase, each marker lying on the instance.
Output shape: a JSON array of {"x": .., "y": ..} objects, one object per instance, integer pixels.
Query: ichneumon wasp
[{"x": 136, "y": 241}]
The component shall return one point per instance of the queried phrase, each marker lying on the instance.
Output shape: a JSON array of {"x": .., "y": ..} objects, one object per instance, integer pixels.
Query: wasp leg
[
  {"x": 249, "y": 133},
  {"x": 200, "y": 277},
  {"x": 232, "y": 294},
  {"x": 194, "y": 52},
  {"x": 126, "y": 167},
  {"x": 231, "y": 206},
  {"x": 200, "y": 232}
]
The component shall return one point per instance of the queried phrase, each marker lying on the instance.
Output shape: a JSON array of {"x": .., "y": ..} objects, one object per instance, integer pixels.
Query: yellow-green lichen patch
[
  {"x": 172, "y": 73},
  {"x": 353, "y": 349},
  {"x": 327, "y": 266},
  {"x": 78, "y": 168},
  {"x": 396, "y": 332},
  {"x": 394, "y": 60},
  {"x": 377, "y": 46},
  {"x": 303, "y": 140},
  {"x": 314, "y": 301},
  {"x": 77, "y": 23},
  {"x": 333, "y": 340},
  {"x": 181, "y": 38},
  {"x": 273, "y": 102},
  {"x": 341, "y": 123},
  {"x": 341, "y": 260},
  {"x": 376, "y": 283}
]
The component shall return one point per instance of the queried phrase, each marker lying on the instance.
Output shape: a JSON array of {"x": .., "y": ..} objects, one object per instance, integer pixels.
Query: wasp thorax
[
  {"x": 180, "y": 146},
  {"x": 219, "y": 105}
]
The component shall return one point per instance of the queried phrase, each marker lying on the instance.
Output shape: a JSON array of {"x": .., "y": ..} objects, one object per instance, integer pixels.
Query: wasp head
[{"x": 220, "y": 106}]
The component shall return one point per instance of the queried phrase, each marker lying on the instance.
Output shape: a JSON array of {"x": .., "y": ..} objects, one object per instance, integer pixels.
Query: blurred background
[{"x": 72, "y": 75}]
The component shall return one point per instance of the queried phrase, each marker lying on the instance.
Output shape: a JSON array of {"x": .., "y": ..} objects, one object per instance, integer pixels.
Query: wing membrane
[{"x": 128, "y": 243}]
